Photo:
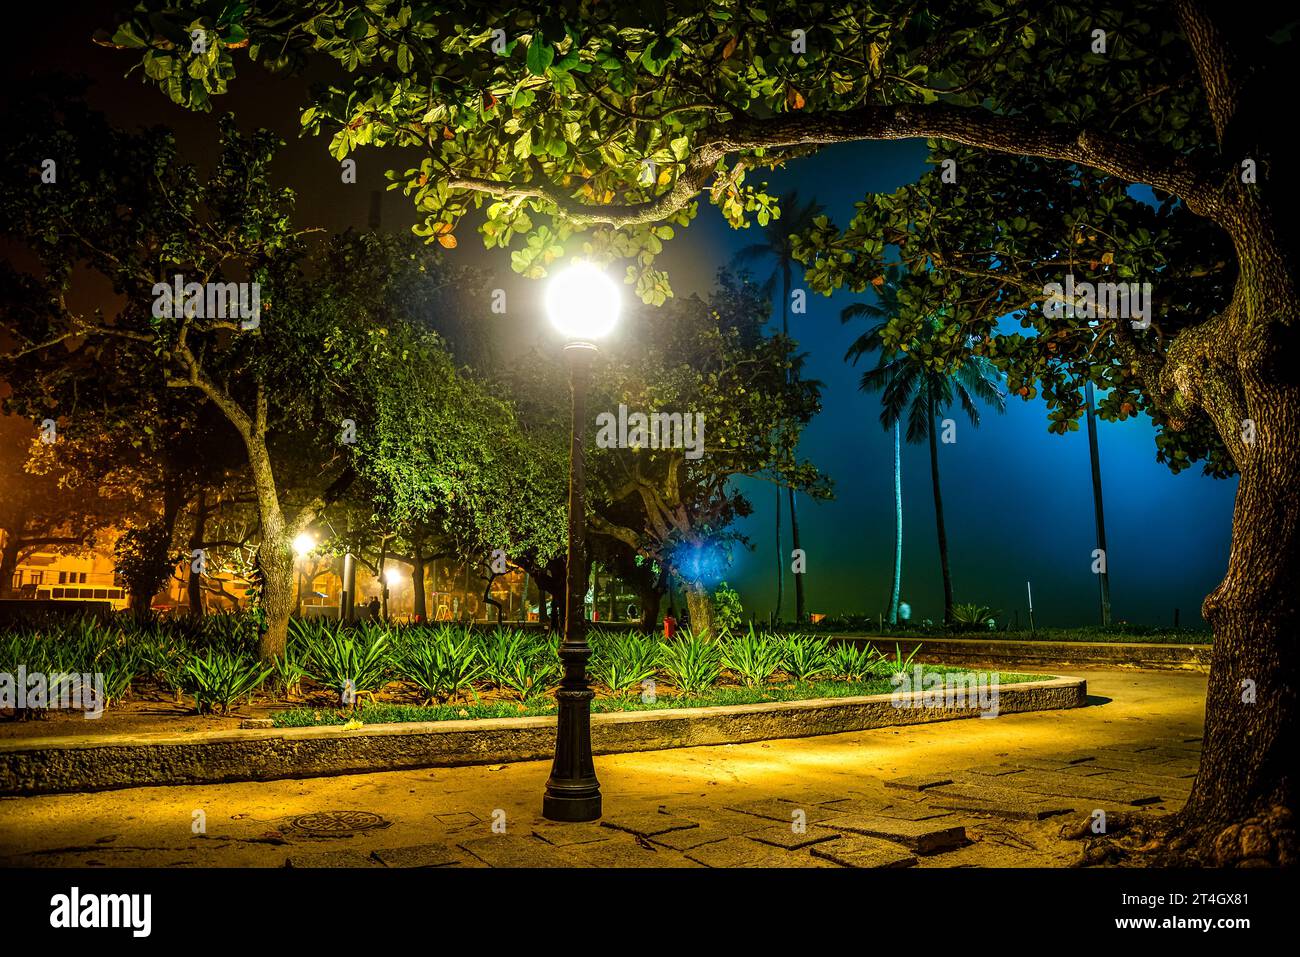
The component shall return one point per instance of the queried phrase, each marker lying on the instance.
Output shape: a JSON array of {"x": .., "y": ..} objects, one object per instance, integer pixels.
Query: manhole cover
[{"x": 336, "y": 823}]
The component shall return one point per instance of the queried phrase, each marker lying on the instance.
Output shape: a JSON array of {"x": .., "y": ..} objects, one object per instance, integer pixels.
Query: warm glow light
[
  {"x": 303, "y": 544},
  {"x": 582, "y": 302},
  {"x": 392, "y": 576}
]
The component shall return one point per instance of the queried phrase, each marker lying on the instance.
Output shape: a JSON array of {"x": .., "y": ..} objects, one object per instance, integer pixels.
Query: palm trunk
[
  {"x": 1098, "y": 514},
  {"x": 938, "y": 515},
  {"x": 794, "y": 515},
  {"x": 895, "y": 596},
  {"x": 780, "y": 558}
]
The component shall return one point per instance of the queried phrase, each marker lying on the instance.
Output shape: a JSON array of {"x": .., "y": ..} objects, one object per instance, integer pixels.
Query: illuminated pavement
[{"x": 807, "y": 802}]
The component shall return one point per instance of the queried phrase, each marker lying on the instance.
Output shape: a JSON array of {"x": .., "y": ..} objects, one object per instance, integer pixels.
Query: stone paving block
[
  {"x": 1044, "y": 764},
  {"x": 516, "y": 850},
  {"x": 332, "y": 859},
  {"x": 566, "y": 835},
  {"x": 1091, "y": 788},
  {"x": 625, "y": 851},
  {"x": 858, "y": 851},
  {"x": 1012, "y": 810},
  {"x": 913, "y": 812},
  {"x": 918, "y": 782},
  {"x": 825, "y": 799},
  {"x": 417, "y": 855},
  {"x": 994, "y": 770},
  {"x": 648, "y": 824},
  {"x": 923, "y": 837},
  {"x": 706, "y": 833},
  {"x": 777, "y": 810},
  {"x": 778, "y": 835},
  {"x": 742, "y": 852}
]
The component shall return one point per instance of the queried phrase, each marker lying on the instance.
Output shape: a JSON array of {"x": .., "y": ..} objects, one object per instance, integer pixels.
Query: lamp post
[{"x": 583, "y": 304}]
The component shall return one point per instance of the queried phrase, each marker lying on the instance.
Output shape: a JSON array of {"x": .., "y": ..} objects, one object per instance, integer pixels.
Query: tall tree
[
  {"x": 778, "y": 246},
  {"x": 883, "y": 310},
  {"x": 912, "y": 384}
]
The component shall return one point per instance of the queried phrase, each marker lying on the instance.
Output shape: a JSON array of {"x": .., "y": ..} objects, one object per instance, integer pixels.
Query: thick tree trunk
[
  {"x": 700, "y": 605},
  {"x": 940, "y": 529},
  {"x": 1243, "y": 803},
  {"x": 274, "y": 555}
]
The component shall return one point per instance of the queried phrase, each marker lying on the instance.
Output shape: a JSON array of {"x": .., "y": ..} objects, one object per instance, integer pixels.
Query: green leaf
[{"x": 540, "y": 56}]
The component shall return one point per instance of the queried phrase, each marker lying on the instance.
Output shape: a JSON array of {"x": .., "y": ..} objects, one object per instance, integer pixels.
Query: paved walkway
[{"x": 973, "y": 792}]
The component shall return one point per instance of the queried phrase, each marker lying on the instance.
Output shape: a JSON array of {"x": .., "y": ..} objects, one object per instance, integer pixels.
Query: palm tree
[
  {"x": 910, "y": 385},
  {"x": 778, "y": 245}
]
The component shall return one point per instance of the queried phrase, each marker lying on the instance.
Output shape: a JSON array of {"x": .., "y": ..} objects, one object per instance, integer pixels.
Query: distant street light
[
  {"x": 302, "y": 545},
  {"x": 393, "y": 576},
  {"x": 583, "y": 305}
]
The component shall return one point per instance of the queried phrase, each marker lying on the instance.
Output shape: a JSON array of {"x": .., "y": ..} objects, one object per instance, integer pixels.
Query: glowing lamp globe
[
  {"x": 303, "y": 544},
  {"x": 582, "y": 303}
]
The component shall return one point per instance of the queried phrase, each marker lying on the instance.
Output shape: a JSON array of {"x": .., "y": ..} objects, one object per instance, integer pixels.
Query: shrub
[
  {"x": 217, "y": 678},
  {"x": 693, "y": 662},
  {"x": 752, "y": 656},
  {"x": 500, "y": 648},
  {"x": 533, "y": 673},
  {"x": 442, "y": 666},
  {"x": 854, "y": 662},
  {"x": 979, "y": 615},
  {"x": 348, "y": 664},
  {"x": 805, "y": 657},
  {"x": 622, "y": 662},
  {"x": 728, "y": 612}
]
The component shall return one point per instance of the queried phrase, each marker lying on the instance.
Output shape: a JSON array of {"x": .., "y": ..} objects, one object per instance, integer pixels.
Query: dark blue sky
[{"x": 1017, "y": 499}]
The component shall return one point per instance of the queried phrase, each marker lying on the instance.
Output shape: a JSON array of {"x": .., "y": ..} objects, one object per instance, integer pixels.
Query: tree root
[{"x": 1267, "y": 839}]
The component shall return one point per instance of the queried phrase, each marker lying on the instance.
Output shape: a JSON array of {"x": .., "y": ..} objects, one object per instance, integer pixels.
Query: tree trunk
[
  {"x": 420, "y": 608},
  {"x": 9, "y": 564},
  {"x": 938, "y": 515},
  {"x": 895, "y": 593},
  {"x": 194, "y": 584},
  {"x": 700, "y": 604},
  {"x": 274, "y": 555},
  {"x": 1243, "y": 801},
  {"x": 799, "y": 609},
  {"x": 780, "y": 558}
]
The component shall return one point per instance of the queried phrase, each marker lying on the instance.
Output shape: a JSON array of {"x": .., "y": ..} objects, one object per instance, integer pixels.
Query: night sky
[{"x": 1017, "y": 499}]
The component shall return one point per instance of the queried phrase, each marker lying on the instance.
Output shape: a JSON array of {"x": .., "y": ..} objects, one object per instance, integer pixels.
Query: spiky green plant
[
  {"x": 443, "y": 666},
  {"x": 622, "y": 662},
  {"x": 754, "y": 657},
  {"x": 218, "y": 678},
  {"x": 693, "y": 662},
  {"x": 348, "y": 664},
  {"x": 805, "y": 657}
]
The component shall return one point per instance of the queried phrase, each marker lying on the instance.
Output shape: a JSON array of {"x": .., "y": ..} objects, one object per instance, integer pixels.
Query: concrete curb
[
  {"x": 58, "y": 765},
  {"x": 1008, "y": 654}
]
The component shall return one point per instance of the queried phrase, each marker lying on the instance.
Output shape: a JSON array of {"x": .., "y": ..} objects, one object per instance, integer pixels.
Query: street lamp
[
  {"x": 302, "y": 545},
  {"x": 582, "y": 304}
]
